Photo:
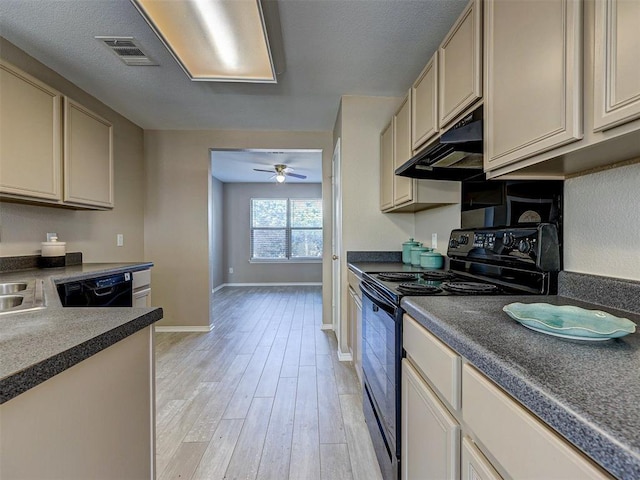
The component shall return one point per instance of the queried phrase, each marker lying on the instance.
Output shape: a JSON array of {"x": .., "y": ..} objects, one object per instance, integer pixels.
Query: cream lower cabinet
[
  {"x": 430, "y": 434},
  {"x": 94, "y": 420},
  {"x": 30, "y": 137},
  {"x": 52, "y": 149},
  {"x": 616, "y": 70},
  {"x": 354, "y": 319},
  {"x": 142, "y": 288},
  {"x": 500, "y": 438},
  {"x": 533, "y": 78}
]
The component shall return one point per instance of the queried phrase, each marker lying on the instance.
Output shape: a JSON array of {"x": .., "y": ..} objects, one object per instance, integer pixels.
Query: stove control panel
[{"x": 535, "y": 246}]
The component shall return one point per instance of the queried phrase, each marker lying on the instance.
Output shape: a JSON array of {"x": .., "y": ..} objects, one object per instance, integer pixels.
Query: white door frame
[{"x": 336, "y": 240}]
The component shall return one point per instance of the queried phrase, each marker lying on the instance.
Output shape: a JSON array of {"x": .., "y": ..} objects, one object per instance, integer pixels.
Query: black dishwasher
[{"x": 108, "y": 291}]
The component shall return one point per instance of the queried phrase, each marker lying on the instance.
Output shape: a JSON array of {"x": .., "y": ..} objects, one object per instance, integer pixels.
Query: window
[{"x": 284, "y": 229}]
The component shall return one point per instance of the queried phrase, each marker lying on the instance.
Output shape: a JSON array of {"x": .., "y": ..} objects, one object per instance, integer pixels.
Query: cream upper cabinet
[
  {"x": 403, "y": 194},
  {"x": 616, "y": 64},
  {"x": 424, "y": 104},
  {"x": 402, "y": 186},
  {"x": 88, "y": 157},
  {"x": 30, "y": 136},
  {"x": 386, "y": 168},
  {"x": 460, "y": 64},
  {"x": 430, "y": 434},
  {"x": 533, "y": 78}
]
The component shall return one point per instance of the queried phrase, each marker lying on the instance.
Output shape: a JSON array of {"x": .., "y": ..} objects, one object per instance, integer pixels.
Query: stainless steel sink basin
[
  {"x": 10, "y": 301},
  {"x": 14, "y": 287},
  {"x": 21, "y": 296}
]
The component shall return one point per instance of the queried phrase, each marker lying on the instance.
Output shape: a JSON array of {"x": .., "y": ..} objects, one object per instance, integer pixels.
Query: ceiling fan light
[{"x": 280, "y": 178}]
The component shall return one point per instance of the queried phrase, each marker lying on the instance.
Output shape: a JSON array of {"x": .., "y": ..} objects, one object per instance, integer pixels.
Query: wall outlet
[
  {"x": 119, "y": 240},
  {"x": 434, "y": 241},
  {"x": 230, "y": 269}
]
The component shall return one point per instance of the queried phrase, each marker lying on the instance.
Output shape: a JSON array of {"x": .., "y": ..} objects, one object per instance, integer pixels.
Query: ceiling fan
[{"x": 281, "y": 172}]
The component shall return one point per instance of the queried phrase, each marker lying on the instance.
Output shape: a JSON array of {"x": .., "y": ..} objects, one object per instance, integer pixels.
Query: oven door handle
[{"x": 376, "y": 300}]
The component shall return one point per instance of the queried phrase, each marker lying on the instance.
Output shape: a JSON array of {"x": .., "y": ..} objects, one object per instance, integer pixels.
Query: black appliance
[
  {"x": 487, "y": 261},
  {"x": 495, "y": 203},
  {"x": 109, "y": 291},
  {"x": 455, "y": 155}
]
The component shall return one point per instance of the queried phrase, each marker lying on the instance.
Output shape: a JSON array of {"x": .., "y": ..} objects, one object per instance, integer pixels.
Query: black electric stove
[{"x": 489, "y": 261}]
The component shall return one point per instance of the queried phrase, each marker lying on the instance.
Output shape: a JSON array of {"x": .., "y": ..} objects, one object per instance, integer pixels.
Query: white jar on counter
[{"x": 53, "y": 253}]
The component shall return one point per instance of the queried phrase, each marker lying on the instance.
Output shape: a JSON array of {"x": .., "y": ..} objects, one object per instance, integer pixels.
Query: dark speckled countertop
[
  {"x": 36, "y": 345},
  {"x": 589, "y": 392}
]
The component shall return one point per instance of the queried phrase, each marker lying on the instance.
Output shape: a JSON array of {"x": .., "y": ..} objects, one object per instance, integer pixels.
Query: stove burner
[
  {"x": 437, "y": 275},
  {"x": 418, "y": 289},
  {"x": 469, "y": 288},
  {"x": 396, "y": 277}
]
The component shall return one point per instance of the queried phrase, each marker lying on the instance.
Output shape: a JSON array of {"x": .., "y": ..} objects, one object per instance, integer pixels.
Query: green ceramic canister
[
  {"x": 415, "y": 254},
  {"x": 431, "y": 260},
  {"x": 406, "y": 250}
]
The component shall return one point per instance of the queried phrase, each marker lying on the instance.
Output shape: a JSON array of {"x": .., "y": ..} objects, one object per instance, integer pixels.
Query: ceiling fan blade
[
  {"x": 297, "y": 175},
  {"x": 260, "y": 170}
]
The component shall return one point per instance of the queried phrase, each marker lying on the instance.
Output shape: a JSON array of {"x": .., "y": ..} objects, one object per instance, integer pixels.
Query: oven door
[{"x": 381, "y": 356}]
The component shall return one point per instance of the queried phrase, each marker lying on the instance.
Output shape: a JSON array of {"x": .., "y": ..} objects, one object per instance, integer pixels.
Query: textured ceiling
[
  {"x": 230, "y": 166},
  {"x": 331, "y": 48}
]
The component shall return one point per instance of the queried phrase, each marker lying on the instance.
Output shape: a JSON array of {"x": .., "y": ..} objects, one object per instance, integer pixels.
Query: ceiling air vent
[{"x": 127, "y": 50}]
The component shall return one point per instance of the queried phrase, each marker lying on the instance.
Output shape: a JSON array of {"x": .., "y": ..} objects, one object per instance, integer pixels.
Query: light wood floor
[{"x": 260, "y": 396}]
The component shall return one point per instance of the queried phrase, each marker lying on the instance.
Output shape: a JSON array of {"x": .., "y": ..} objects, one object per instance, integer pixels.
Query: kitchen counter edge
[{"x": 92, "y": 329}]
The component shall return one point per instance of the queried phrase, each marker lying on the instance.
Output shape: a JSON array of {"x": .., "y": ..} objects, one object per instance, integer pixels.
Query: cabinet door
[
  {"x": 386, "y": 168},
  {"x": 460, "y": 64},
  {"x": 522, "y": 444},
  {"x": 142, "y": 298},
  {"x": 616, "y": 69},
  {"x": 402, "y": 186},
  {"x": 88, "y": 157},
  {"x": 533, "y": 78},
  {"x": 474, "y": 464},
  {"x": 430, "y": 435},
  {"x": 30, "y": 133},
  {"x": 424, "y": 104}
]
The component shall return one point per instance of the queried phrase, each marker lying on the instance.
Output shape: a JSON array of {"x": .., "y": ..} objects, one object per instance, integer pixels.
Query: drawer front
[
  {"x": 522, "y": 444},
  {"x": 354, "y": 282},
  {"x": 141, "y": 279},
  {"x": 438, "y": 362}
]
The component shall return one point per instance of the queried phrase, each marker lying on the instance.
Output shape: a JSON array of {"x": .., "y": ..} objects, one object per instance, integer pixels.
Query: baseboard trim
[
  {"x": 219, "y": 287},
  {"x": 184, "y": 328},
  {"x": 345, "y": 357},
  {"x": 289, "y": 284},
  {"x": 326, "y": 326}
]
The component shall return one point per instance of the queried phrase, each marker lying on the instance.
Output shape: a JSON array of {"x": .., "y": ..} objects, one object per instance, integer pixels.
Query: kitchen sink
[
  {"x": 10, "y": 301},
  {"x": 6, "y": 288},
  {"x": 24, "y": 296}
]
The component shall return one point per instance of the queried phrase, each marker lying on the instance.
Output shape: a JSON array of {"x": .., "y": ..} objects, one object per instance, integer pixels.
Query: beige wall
[
  {"x": 602, "y": 223},
  {"x": 176, "y": 220},
  {"x": 23, "y": 227},
  {"x": 237, "y": 228},
  {"x": 359, "y": 123},
  {"x": 439, "y": 220}
]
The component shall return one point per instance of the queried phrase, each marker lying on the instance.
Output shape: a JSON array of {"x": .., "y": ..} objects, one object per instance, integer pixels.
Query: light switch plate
[
  {"x": 119, "y": 240},
  {"x": 434, "y": 241}
]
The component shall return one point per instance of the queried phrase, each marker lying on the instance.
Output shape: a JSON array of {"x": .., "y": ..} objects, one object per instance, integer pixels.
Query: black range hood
[{"x": 456, "y": 155}]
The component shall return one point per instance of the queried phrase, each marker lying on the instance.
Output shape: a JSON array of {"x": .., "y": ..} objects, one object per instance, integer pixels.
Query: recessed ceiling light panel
[{"x": 213, "y": 40}]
